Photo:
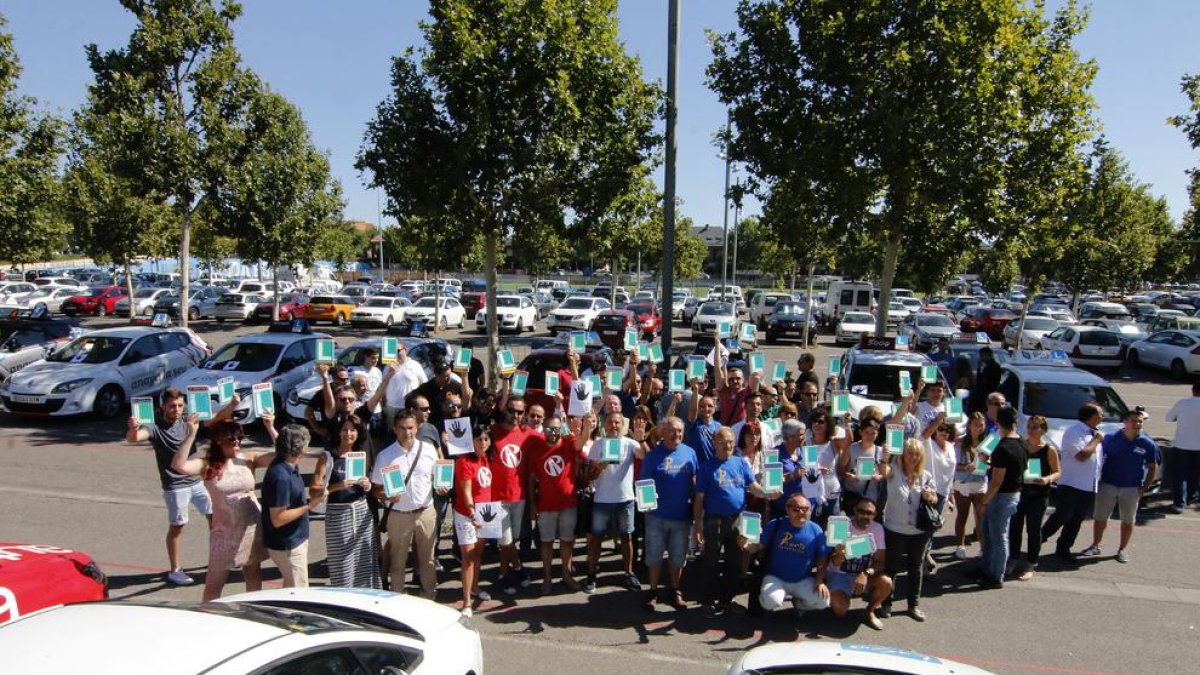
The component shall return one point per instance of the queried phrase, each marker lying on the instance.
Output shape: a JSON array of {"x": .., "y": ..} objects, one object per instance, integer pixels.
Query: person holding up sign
[
  {"x": 857, "y": 485},
  {"x": 612, "y": 508},
  {"x": 1005, "y": 477},
  {"x": 287, "y": 505},
  {"x": 473, "y": 485},
  {"x": 350, "y": 544},
  {"x": 969, "y": 483},
  {"x": 1035, "y": 494},
  {"x": 701, "y": 425},
  {"x": 672, "y": 465},
  {"x": 234, "y": 540},
  {"x": 861, "y": 577},
  {"x": 794, "y": 558},
  {"x": 909, "y": 484},
  {"x": 410, "y": 518},
  {"x": 553, "y": 465}
]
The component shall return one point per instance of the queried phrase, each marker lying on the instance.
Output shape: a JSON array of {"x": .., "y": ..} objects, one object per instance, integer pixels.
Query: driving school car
[
  {"x": 26, "y": 340},
  {"x": 35, "y": 576},
  {"x": 100, "y": 371},
  {"x": 820, "y": 656}
]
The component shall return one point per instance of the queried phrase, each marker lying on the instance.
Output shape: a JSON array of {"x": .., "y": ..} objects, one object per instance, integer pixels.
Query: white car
[
  {"x": 576, "y": 313},
  {"x": 1059, "y": 313},
  {"x": 450, "y": 311},
  {"x": 763, "y": 305},
  {"x": 1127, "y": 331},
  {"x": 14, "y": 291},
  {"x": 143, "y": 301},
  {"x": 278, "y": 356},
  {"x": 1035, "y": 328},
  {"x": 100, "y": 371},
  {"x": 421, "y": 350},
  {"x": 52, "y": 297},
  {"x": 872, "y": 377},
  {"x": 1087, "y": 345},
  {"x": 272, "y": 632},
  {"x": 897, "y": 312},
  {"x": 820, "y": 656},
  {"x": 1039, "y": 383},
  {"x": 513, "y": 312},
  {"x": 237, "y": 306},
  {"x": 853, "y": 326},
  {"x": 710, "y": 314},
  {"x": 380, "y": 311},
  {"x": 27, "y": 341},
  {"x": 1177, "y": 351}
]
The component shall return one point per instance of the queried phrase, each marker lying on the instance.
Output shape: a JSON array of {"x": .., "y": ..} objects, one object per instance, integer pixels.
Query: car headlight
[{"x": 70, "y": 385}]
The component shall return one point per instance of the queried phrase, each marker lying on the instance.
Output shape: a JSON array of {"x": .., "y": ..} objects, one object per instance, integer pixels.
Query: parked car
[
  {"x": 513, "y": 312},
  {"x": 812, "y": 656},
  {"x": 25, "y": 340},
  {"x": 544, "y": 302},
  {"x": 762, "y": 305},
  {"x": 472, "y": 303},
  {"x": 100, "y": 301},
  {"x": 142, "y": 302},
  {"x": 301, "y": 631},
  {"x": 596, "y": 357},
  {"x": 1176, "y": 351},
  {"x": 688, "y": 312},
  {"x": 611, "y": 325},
  {"x": 14, "y": 291},
  {"x": 852, "y": 326},
  {"x": 789, "y": 319},
  {"x": 237, "y": 306},
  {"x": 202, "y": 303},
  {"x": 450, "y": 311},
  {"x": 990, "y": 320},
  {"x": 712, "y": 313},
  {"x": 51, "y": 298},
  {"x": 926, "y": 329},
  {"x": 649, "y": 321},
  {"x": 576, "y": 313},
  {"x": 291, "y": 305},
  {"x": 336, "y": 309},
  {"x": 1035, "y": 328},
  {"x": 35, "y": 577},
  {"x": 1087, "y": 345},
  {"x": 1128, "y": 331},
  {"x": 1036, "y": 384}
]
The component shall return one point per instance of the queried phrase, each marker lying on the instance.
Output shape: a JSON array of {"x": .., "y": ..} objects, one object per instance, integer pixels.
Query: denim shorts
[
  {"x": 177, "y": 502},
  {"x": 606, "y": 517},
  {"x": 666, "y": 535}
]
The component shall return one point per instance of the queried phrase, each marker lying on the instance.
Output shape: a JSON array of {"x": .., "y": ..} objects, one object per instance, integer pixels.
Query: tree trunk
[
  {"x": 808, "y": 299},
  {"x": 493, "y": 337},
  {"x": 437, "y": 302},
  {"x": 185, "y": 254},
  {"x": 890, "y": 257},
  {"x": 275, "y": 291},
  {"x": 129, "y": 289}
]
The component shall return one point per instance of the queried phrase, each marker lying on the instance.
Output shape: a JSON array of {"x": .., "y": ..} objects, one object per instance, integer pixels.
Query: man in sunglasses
[
  {"x": 553, "y": 465},
  {"x": 399, "y": 380},
  {"x": 436, "y": 390},
  {"x": 860, "y": 577},
  {"x": 795, "y": 558},
  {"x": 508, "y": 476}
]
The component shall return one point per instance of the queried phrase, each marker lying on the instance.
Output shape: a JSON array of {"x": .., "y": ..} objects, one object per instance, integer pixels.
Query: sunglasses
[
  {"x": 799, "y": 508},
  {"x": 515, "y": 412},
  {"x": 344, "y": 399},
  {"x": 423, "y": 409},
  {"x": 454, "y": 405}
]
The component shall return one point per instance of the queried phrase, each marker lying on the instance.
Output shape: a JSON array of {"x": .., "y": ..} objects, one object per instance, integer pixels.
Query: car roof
[
  {"x": 1054, "y": 374},
  {"x": 276, "y": 338},
  {"x": 885, "y": 357},
  {"x": 131, "y": 332},
  {"x": 108, "y": 634}
]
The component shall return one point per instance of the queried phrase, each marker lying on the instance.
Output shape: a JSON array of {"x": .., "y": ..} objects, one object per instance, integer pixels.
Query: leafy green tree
[
  {"x": 342, "y": 244},
  {"x": 166, "y": 103},
  {"x": 31, "y": 224},
  {"x": 518, "y": 118},
  {"x": 279, "y": 196},
  {"x": 923, "y": 127},
  {"x": 1188, "y": 244}
]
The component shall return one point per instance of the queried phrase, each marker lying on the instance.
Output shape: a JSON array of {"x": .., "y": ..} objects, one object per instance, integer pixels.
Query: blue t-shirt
[
  {"x": 794, "y": 550},
  {"x": 699, "y": 436},
  {"x": 724, "y": 485},
  {"x": 283, "y": 486},
  {"x": 791, "y": 487},
  {"x": 1123, "y": 462},
  {"x": 673, "y": 473}
]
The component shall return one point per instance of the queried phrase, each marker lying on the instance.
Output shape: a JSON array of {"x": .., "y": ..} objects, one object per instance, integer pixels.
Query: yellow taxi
[{"x": 335, "y": 309}]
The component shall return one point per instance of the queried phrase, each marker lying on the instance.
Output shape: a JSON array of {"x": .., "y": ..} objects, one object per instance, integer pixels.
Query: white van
[
  {"x": 847, "y": 296},
  {"x": 549, "y": 285}
]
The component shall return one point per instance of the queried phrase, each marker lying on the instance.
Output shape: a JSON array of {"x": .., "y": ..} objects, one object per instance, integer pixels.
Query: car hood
[
  {"x": 856, "y": 326},
  {"x": 44, "y": 375},
  {"x": 570, "y": 312},
  {"x": 209, "y": 378},
  {"x": 937, "y": 331}
]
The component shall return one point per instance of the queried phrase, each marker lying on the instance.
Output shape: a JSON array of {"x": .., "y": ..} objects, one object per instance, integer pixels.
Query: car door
[
  {"x": 1151, "y": 350},
  {"x": 143, "y": 367},
  {"x": 293, "y": 364}
]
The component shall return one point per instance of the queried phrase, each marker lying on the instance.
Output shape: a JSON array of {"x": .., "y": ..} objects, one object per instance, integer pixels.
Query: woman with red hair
[{"x": 234, "y": 539}]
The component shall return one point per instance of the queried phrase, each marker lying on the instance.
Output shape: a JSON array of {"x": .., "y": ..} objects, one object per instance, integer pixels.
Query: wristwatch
[{"x": 870, "y": 571}]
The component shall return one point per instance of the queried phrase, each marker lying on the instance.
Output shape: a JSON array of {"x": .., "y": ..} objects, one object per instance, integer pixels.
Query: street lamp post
[
  {"x": 737, "y": 226},
  {"x": 725, "y": 214},
  {"x": 668, "y": 262}
]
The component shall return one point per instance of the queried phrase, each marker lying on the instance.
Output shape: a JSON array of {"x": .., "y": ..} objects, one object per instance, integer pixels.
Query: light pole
[
  {"x": 737, "y": 211},
  {"x": 668, "y": 261},
  {"x": 725, "y": 215}
]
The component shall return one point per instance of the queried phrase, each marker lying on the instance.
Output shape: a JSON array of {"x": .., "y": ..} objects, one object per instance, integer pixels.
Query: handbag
[{"x": 929, "y": 518}]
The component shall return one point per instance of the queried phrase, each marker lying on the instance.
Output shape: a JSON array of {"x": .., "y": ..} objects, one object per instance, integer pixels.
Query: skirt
[{"x": 351, "y": 546}]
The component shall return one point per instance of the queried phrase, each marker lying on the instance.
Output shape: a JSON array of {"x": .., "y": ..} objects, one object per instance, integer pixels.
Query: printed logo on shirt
[
  {"x": 510, "y": 455},
  {"x": 666, "y": 465},
  {"x": 725, "y": 480},
  {"x": 787, "y": 543},
  {"x": 554, "y": 466},
  {"x": 485, "y": 477}
]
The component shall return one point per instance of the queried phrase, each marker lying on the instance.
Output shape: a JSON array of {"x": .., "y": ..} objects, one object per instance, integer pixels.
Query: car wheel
[
  {"x": 193, "y": 313},
  {"x": 149, "y": 311},
  {"x": 339, "y": 320},
  {"x": 462, "y": 322},
  {"x": 101, "y": 310},
  {"x": 109, "y": 402},
  {"x": 389, "y": 322},
  {"x": 443, "y": 324},
  {"x": 1178, "y": 370},
  {"x": 772, "y": 338},
  {"x": 553, "y": 332},
  {"x": 1134, "y": 359}
]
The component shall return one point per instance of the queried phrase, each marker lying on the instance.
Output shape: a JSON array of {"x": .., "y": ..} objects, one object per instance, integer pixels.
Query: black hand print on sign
[
  {"x": 581, "y": 392},
  {"x": 488, "y": 514},
  {"x": 458, "y": 429}
]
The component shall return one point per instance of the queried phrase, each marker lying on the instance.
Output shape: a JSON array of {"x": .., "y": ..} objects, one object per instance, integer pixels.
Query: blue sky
[{"x": 332, "y": 60}]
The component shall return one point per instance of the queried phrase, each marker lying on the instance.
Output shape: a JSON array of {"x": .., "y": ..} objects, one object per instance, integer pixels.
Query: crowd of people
[{"x": 770, "y": 493}]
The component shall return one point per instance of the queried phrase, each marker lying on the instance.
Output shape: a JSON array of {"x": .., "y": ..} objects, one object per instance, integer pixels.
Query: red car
[
  {"x": 611, "y": 324},
  {"x": 101, "y": 301},
  {"x": 290, "y": 305},
  {"x": 990, "y": 320},
  {"x": 648, "y": 319},
  {"x": 35, "y": 576},
  {"x": 473, "y": 302}
]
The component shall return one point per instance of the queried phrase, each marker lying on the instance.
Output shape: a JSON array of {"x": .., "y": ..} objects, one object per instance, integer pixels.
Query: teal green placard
[
  {"x": 1033, "y": 470},
  {"x": 462, "y": 359},
  {"x": 678, "y": 380},
  {"x": 841, "y": 405},
  {"x": 905, "y": 383},
  {"x": 551, "y": 382},
  {"x": 631, "y": 339},
  {"x": 325, "y": 351},
  {"x": 143, "y": 410},
  {"x": 443, "y": 477},
  {"x": 696, "y": 369},
  {"x": 610, "y": 450},
  {"x": 391, "y": 350},
  {"x": 857, "y": 547},
  {"x": 578, "y": 342},
  {"x": 837, "y": 530},
  {"x": 778, "y": 371},
  {"x": 612, "y": 378},
  {"x": 811, "y": 454},
  {"x": 772, "y": 478},
  {"x": 757, "y": 362},
  {"x": 199, "y": 403},
  {"x": 724, "y": 329},
  {"x": 988, "y": 444},
  {"x": 750, "y": 526},
  {"x": 954, "y": 409},
  {"x": 393, "y": 481},
  {"x": 356, "y": 465},
  {"x": 656, "y": 353},
  {"x": 864, "y": 468},
  {"x": 264, "y": 399},
  {"x": 747, "y": 332},
  {"x": 646, "y": 494},
  {"x": 929, "y": 374},
  {"x": 770, "y": 456},
  {"x": 518, "y": 383},
  {"x": 835, "y": 366},
  {"x": 225, "y": 390},
  {"x": 505, "y": 359},
  {"x": 895, "y": 440}
]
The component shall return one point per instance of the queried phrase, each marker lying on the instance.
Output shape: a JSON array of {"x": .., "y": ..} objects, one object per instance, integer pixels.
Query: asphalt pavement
[{"x": 75, "y": 483}]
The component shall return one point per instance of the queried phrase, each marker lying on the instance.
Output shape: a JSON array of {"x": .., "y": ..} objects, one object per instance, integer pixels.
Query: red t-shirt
[
  {"x": 470, "y": 467},
  {"x": 731, "y": 405},
  {"x": 555, "y": 469},
  {"x": 508, "y": 463}
]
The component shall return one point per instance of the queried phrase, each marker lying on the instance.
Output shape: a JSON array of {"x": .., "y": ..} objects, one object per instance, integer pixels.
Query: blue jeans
[{"x": 996, "y": 518}]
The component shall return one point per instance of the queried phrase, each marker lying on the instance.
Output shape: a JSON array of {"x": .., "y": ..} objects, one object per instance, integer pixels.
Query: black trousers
[
  {"x": 1071, "y": 507},
  {"x": 722, "y": 559},
  {"x": 1030, "y": 511},
  {"x": 906, "y": 552}
]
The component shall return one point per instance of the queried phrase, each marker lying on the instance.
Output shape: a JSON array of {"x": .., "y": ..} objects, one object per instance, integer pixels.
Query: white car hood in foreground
[{"x": 849, "y": 656}]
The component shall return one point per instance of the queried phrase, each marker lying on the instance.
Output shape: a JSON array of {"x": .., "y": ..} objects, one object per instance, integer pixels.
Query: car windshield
[
  {"x": 379, "y": 302},
  {"x": 96, "y": 292},
  {"x": 640, "y": 309},
  {"x": 576, "y": 303},
  {"x": 934, "y": 320},
  {"x": 89, "y": 349},
  {"x": 1062, "y": 401},
  {"x": 880, "y": 381},
  {"x": 786, "y": 308},
  {"x": 245, "y": 356},
  {"x": 508, "y": 302},
  {"x": 426, "y": 302},
  {"x": 721, "y": 308},
  {"x": 857, "y": 317},
  {"x": 1036, "y": 323}
]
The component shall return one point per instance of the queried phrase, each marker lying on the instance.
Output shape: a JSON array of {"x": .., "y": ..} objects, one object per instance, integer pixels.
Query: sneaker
[
  {"x": 482, "y": 595},
  {"x": 916, "y": 614},
  {"x": 1176, "y": 509},
  {"x": 960, "y": 553},
  {"x": 572, "y": 583},
  {"x": 884, "y": 611},
  {"x": 1122, "y": 556},
  {"x": 466, "y": 612},
  {"x": 179, "y": 578},
  {"x": 873, "y": 621},
  {"x": 522, "y": 577},
  {"x": 632, "y": 582},
  {"x": 1090, "y": 552},
  {"x": 589, "y": 586},
  {"x": 989, "y": 584}
]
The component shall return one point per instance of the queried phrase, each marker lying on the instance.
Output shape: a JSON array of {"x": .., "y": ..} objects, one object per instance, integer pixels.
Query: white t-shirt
[
  {"x": 927, "y": 413},
  {"x": 409, "y": 375},
  {"x": 1077, "y": 474},
  {"x": 615, "y": 483},
  {"x": 419, "y": 491},
  {"x": 1186, "y": 414},
  {"x": 940, "y": 464}
]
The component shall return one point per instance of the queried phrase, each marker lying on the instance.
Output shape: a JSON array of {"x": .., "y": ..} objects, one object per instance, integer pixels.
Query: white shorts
[
  {"x": 970, "y": 489},
  {"x": 803, "y": 593},
  {"x": 465, "y": 529},
  {"x": 177, "y": 502},
  {"x": 511, "y": 520},
  {"x": 557, "y": 525}
]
